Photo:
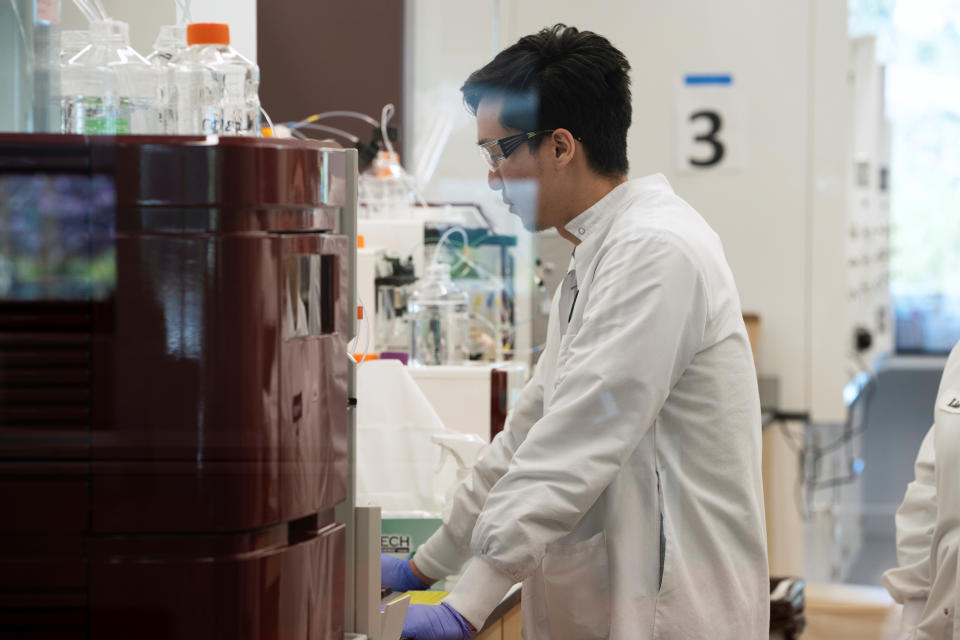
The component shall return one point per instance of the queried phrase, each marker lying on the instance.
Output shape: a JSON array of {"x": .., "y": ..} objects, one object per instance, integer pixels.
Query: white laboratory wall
[
  {"x": 827, "y": 188},
  {"x": 146, "y": 16},
  {"x": 780, "y": 215}
]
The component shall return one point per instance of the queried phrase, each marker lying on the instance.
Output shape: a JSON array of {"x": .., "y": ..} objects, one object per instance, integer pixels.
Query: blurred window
[{"x": 919, "y": 42}]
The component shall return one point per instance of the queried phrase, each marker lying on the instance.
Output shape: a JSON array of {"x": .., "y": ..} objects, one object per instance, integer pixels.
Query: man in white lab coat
[
  {"x": 927, "y": 582},
  {"x": 625, "y": 492}
]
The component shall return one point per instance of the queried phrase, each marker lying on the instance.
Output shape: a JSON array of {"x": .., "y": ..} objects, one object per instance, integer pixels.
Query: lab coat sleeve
[
  {"x": 916, "y": 519},
  {"x": 644, "y": 320},
  {"x": 449, "y": 548}
]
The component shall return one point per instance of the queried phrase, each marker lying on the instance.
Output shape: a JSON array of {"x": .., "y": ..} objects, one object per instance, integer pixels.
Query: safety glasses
[{"x": 496, "y": 151}]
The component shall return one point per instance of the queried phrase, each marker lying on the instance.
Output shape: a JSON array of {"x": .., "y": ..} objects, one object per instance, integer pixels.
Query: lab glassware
[
  {"x": 439, "y": 319},
  {"x": 170, "y": 43},
  {"x": 217, "y": 86},
  {"x": 108, "y": 87}
]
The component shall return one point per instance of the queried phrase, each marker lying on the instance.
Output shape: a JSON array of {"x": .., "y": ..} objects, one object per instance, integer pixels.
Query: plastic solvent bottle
[
  {"x": 231, "y": 79},
  {"x": 72, "y": 42},
  {"x": 198, "y": 92},
  {"x": 384, "y": 192},
  {"x": 108, "y": 87},
  {"x": 439, "y": 318},
  {"x": 170, "y": 43}
]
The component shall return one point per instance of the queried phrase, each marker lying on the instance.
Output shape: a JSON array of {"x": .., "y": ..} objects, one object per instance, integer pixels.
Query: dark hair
[{"x": 565, "y": 78}]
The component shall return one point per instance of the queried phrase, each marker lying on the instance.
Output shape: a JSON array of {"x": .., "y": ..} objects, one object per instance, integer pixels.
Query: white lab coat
[
  {"x": 928, "y": 524},
  {"x": 625, "y": 491}
]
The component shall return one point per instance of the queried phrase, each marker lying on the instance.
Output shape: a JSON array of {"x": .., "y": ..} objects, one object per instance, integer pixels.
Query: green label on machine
[
  {"x": 402, "y": 536},
  {"x": 396, "y": 543}
]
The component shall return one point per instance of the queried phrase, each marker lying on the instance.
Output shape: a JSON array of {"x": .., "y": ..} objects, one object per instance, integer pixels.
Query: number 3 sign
[{"x": 708, "y": 128}]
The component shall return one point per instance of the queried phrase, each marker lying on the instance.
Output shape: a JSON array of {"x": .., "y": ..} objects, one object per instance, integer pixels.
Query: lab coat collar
[{"x": 591, "y": 225}]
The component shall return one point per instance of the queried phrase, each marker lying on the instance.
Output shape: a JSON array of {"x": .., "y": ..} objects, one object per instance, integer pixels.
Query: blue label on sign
[{"x": 708, "y": 79}]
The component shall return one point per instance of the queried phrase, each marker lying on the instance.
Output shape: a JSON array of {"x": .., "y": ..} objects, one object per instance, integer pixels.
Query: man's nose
[{"x": 495, "y": 180}]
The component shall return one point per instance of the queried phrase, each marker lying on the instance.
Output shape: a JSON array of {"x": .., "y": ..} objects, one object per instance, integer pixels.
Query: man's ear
[{"x": 564, "y": 146}]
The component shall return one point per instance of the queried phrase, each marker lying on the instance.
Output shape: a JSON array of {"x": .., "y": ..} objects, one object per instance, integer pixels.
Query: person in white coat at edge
[
  {"x": 625, "y": 491},
  {"x": 927, "y": 580}
]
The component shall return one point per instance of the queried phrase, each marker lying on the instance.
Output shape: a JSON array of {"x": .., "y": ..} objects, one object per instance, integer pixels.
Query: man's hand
[
  {"x": 435, "y": 622},
  {"x": 401, "y": 575}
]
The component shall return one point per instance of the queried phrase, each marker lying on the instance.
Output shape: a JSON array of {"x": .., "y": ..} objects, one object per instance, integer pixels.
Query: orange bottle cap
[
  {"x": 384, "y": 170},
  {"x": 368, "y": 358},
  {"x": 208, "y": 33},
  {"x": 361, "y": 241}
]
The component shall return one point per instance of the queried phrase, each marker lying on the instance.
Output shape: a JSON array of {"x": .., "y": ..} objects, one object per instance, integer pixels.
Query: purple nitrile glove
[
  {"x": 435, "y": 622},
  {"x": 396, "y": 574}
]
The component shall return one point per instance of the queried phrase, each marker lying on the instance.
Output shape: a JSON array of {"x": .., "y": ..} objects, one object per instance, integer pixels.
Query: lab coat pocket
[
  {"x": 665, "y": 577},
  {"x": 576, "y": 581}
]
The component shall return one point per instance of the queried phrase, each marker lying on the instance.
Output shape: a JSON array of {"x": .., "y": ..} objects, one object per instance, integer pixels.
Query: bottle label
[
  {"x": 106, "y": 126},
  {"x": 232, "y": 127},
  {"x": 210, "y": 126}
]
